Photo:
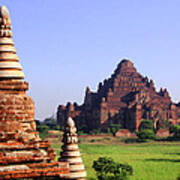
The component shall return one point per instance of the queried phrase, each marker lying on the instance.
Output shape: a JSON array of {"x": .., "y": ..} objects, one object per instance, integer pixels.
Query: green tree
[
  {"x": 51, "y": 123},
  {"x": 163, "y": 124},
  {"x": 146, "y": 131},
  {"x": 107, "y": 169},
  {"x": 114, "y": 128},
  {"x": 146, "y": 134},
  {"x": 146, "y": 124},
  {"x": 175, "y": 130},
  {"x": 43, "y": 130}
]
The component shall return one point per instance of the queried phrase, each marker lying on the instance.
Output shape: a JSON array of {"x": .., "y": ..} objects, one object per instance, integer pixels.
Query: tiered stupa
[
  {"x": 22, "y": 153},
  {"x": 71, "y": 152},
  {"x": 9, "y": 65}
]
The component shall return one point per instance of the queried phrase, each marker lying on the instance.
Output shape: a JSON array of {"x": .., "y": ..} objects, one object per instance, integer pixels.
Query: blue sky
[{"x": 65, "y": 45}]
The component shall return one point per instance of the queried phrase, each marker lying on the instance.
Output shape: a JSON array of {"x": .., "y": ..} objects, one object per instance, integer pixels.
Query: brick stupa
[
  {"x": 22, "y": 153},
  {"x": 70, "y": 152}
]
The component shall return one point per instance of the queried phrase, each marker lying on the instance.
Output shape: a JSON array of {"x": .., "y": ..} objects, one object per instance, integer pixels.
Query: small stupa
[
  {"x": 22, "y": 153},
  {"x": 70, "y": 151}
]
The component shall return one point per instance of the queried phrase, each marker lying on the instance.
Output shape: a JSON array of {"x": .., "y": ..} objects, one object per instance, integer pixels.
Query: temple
[
  {"x": 22, "y": 153},
  {"x": 125, "y": 98}
]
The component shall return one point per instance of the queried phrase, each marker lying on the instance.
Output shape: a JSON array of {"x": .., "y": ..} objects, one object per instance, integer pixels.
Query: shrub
[
  {"x": 146, "y": 131},
  {"x": 175, "y": 130},
  {"x": 51, "y": 123},
  {"x": 107, "y": 169},
  {"x": 114, "y": 128},
  {"x": 146, "y": 124},
  {"x": 43, "y": 130},
  {"x": 164, "y": 124},
  {"x": 146, "y": 134}
]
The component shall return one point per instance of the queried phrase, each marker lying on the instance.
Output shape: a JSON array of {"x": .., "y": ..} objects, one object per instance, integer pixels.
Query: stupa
[
  {"x": 22, "y": 153},
  {"x": 70, "y": 152}
]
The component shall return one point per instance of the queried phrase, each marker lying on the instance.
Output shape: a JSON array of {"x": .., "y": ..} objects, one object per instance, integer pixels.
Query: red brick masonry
[{"x": 22, "y": 153}]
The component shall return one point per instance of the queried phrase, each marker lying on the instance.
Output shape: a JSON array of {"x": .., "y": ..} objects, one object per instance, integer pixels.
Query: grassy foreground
[{"x": 150, "y": 161}]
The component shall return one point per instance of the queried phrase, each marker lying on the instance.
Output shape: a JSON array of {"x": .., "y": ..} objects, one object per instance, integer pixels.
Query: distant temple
[{"x": 125, "y": 98}]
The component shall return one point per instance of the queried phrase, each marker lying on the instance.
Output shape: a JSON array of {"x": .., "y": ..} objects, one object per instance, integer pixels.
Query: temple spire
[{"x": 10, "y": 67}]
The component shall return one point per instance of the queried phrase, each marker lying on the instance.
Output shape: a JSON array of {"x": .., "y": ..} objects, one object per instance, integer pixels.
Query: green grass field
[{"x": 150, "y": 161}]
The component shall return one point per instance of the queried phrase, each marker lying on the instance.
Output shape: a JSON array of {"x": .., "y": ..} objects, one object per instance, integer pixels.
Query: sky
[{"x": 66, "y": 45}]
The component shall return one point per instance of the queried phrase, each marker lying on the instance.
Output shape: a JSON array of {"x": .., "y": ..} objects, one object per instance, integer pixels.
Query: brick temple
[
  {"x": 22, "y": 153},
  {"x": 126, "y": 98}
]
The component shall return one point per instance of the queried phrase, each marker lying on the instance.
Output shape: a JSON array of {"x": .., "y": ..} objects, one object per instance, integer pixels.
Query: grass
[{"x": 150, "y": 161}]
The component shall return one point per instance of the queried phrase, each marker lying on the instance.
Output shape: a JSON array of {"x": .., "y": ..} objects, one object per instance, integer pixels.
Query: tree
[
  {"x": 46, "y": 125},
  {"x": 146, "y": 131},
  {"x": 163, "y": 124},
  {"x": 107, "y": 169},
  {"x": 146, "y": 124},
  {"x": 114, "y": 128},
  {"x": 51, "y": 123},
  {"x": 43, "y": 130},
  {"x": 146, "y": 134},
  {"x": 175, "y": 130}
]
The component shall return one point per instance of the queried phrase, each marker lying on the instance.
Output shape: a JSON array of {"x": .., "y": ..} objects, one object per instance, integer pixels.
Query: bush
[
  {"x": 43, "y": 130},
  {"x": 175, "y": 130},
  {"x": 145, "y": 135},
  {"x": 51, "y": 123},
  {"x": 46, "y": 125},
  {"x": 107, "y": 169},
  {"x": 146, "y": 124},
  {"x": 114, "y": 128},
  {"x": 164, "y": 124},
  {"x": 146, "y": 131}
]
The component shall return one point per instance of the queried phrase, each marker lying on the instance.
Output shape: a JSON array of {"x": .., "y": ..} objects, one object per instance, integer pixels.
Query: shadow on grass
[
  {"x": 169, "y": 139},
  {"x": 163, "y": 160},
  {"x": 130, "y": 140},
  {"x": 173, "y": 153}
]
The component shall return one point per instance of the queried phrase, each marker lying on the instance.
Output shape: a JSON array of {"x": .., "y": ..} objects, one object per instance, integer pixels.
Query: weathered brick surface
[
  {"x": 22, "y": 153},
  {"x": 60, "y": 172}
]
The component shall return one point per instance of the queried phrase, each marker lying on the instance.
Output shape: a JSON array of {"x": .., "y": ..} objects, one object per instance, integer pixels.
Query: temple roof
[
  {"x": 125, "y": 66},
  {"x": 125, "y": 62}
]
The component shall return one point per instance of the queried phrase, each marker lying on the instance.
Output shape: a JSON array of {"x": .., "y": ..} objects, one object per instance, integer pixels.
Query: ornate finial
[
  {"x": 70, "y": 122},
  {"x": 70, "y": 135},
  {"x": 10, "y": 68},
  {"x": 5, "y": 22}
]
